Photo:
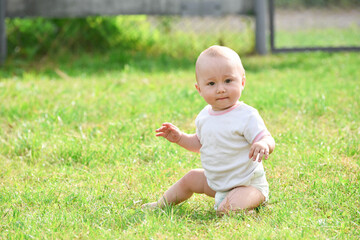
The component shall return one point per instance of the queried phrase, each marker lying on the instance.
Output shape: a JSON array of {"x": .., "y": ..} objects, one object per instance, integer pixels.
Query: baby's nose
[{"x": 220, "y": 89}]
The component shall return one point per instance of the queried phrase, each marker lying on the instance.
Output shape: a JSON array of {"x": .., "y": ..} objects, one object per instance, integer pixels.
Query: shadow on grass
[
  {"x": 78, "y": 64},
  {"x": 84, "y": 64},
  {"x": 182, "y": 213},
  {"x": 203, "y": 216}
]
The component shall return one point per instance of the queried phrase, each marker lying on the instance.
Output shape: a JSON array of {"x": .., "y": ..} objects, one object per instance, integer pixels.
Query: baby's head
[
  {"x": 220, "y": 77},
  {"x": 220, "y": 52}
]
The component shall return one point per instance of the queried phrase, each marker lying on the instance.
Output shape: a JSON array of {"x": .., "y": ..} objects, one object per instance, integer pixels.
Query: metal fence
[{"x": 239, "y": 24}]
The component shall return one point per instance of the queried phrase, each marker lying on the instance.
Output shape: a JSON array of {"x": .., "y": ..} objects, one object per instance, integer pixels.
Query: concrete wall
[{"x": 79, "y": 8}]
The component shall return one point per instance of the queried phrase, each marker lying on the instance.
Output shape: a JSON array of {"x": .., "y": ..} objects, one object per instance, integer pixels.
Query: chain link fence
[
  {"x": 316, "y": 25},
  {"x": 188, "y": 35}
]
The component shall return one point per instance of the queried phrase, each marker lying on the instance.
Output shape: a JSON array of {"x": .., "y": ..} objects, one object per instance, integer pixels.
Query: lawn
[
  {"x": 78, "y": 155},
  {"x": 327, "y": 37}
]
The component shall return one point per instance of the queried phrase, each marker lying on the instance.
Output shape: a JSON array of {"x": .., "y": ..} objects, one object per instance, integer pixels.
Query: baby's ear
[
  {"x": 243, "y": 80},
  {"x": 197, "y": 87}
]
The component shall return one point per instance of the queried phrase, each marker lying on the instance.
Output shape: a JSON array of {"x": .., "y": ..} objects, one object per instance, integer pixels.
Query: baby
[{"x": 230, "y": 136}]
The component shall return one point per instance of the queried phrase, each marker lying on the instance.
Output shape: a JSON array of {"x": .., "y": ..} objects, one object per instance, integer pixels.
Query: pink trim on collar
[{"x": 217, "y": 113}]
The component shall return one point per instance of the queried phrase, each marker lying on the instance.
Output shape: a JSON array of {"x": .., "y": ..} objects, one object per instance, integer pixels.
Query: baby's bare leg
[
  {"x": 193, "y": 182},
  {"x": 241, "y": 198}
]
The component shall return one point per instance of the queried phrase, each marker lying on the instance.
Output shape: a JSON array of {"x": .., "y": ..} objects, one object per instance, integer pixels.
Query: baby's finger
[
  {"x": 266, "y": 155},
  {"x": 159, "y": 130},
  {"x": 168, "y": 125},
  {"x": 261, "y": 154},
  {"x": 161, "y": 134},
  {"x": 162, "y": 129},
  {"x": 251, "y": 153},
  {"x": 257, "y": 157}
]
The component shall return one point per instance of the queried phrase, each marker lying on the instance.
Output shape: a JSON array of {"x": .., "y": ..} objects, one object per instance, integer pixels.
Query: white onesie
[{"x": 226, "y": 137}]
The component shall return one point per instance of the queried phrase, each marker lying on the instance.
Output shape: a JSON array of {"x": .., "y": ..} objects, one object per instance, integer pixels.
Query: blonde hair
[{"x": 220, "y": 51}]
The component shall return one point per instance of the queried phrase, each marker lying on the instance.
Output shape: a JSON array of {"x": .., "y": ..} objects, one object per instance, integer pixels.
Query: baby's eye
[
  {"x": 228, "y": 81},
  {"x": 211, "y": 83}
]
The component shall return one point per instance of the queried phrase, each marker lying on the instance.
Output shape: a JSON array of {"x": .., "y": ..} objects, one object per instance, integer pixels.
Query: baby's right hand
[{"x": 170, "y": 132}]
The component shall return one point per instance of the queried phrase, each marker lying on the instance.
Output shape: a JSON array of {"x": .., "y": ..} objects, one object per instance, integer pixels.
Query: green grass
[
  {"x": 327, "y": 37},
  {"x": 78, "y": 155}
]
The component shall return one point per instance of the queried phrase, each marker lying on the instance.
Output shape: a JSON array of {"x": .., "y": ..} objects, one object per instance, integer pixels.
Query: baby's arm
[
  {"x": 173, "y": 134},
  {"x": 263, "y": 147}
]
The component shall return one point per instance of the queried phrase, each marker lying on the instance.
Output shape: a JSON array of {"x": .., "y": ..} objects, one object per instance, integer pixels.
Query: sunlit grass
[
  {"x": 326, "y": 37},
  {"x": 78, "y": 154}
]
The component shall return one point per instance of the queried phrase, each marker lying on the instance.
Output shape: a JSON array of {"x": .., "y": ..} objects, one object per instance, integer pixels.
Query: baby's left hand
[{"x": 258, "y": 150}]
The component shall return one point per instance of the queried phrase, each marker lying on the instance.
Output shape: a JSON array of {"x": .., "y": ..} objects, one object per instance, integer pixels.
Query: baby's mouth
[{"x": 222, "y": 98}]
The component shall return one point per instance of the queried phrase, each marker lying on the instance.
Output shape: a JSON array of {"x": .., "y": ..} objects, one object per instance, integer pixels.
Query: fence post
[
  {"x": 2, "y": 31},
  {"x": 261, "y": 26}
]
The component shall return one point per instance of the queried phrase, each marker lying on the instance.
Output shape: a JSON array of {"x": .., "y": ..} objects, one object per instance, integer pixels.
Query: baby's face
[{"x": 220, "y": 81}]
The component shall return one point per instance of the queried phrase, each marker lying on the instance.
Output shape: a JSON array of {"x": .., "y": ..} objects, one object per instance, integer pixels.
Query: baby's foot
[{"x": 150, "y": 206}]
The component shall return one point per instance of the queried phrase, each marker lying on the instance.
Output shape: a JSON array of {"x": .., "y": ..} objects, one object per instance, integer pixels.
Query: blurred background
[
  {"x": 318, "y": 23},
  {"x": 329, "y": 22}
]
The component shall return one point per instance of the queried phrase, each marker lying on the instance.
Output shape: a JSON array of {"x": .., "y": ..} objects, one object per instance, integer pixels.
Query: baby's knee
[
  {"x": 192, "y": 179},
  {"x": 241, "y": 199},
  {"x": 226, "y": 207}
]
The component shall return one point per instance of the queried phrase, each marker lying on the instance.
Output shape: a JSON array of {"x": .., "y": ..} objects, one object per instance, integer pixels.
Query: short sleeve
[
  {"x": 197, "y": 128},
  {"x": 199, "y": 121},
  {"x": 255, "y": 125}
]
